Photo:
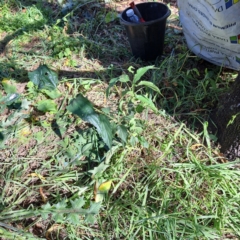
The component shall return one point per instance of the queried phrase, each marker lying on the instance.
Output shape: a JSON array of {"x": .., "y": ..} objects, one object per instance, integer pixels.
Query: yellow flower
[
  {"x": 25, "y": 132},
  {"x": 105, "y": 186}
]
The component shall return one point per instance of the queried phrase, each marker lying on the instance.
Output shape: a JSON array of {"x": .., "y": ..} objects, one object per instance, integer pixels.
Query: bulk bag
[{"x": 212, "y": 30}]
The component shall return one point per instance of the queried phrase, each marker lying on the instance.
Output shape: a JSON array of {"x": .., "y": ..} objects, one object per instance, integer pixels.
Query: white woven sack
[{"x": 212, "y": 30}]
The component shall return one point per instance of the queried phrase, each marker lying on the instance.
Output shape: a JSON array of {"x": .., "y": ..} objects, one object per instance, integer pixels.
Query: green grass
[{"x": 169, "y": 180}]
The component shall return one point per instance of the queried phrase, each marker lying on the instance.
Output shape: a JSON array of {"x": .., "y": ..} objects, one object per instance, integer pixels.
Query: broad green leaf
[
  {"x": 61, "y": 55},
  {"x": 83, "y": 108},
  {"x": 149, "y": 85},
  {"x": 58, "y": 211},
  {"x": 133, "y": 141},
  {"x": 52, "y": 94},
  {"x": 61, "y": 205},
  {"x": 86, "y": 148},
  {"x": 112, "y": 82},
  {"x": 44, "y": 78},
  {"x": 122, "y": 133},
  {"x": 25, "y": 104},
  {"x": 104, "y": 129},
  {"x": 111, "y": 16},
  {"x": 78, "y": 203},
  {"x": 106, "y": 110},
  {"x": 45, "y": 124},
  {"x": 93, "y": 210},
  {"x": 73, "y": 218},
  {"x": 90, "y": 218},
  {"x": 32, "y": 88},
  {"x": 87, "y": 84},
  {"x": 99, "y": 169},
  {"x": 124, "y": 78},
  {"x": 58, "y": 217},
  {"x": 143, "y": 142},
  {"x": 110, "y": 153},
  {"x": 8, "y": 86},
  {"x": 71, "y": 152},
  {"x": 46, "y": 210},
  {"x": 140, "y": 72},
  {"x": 67, "y": 52},
  {"x": 39, "y": 136},
  {"x": 47, "y": 106},
  {"x": 9, "y": 99},
  {"x": 30, "y": 85},
  {"x": 146, "y": 102}
]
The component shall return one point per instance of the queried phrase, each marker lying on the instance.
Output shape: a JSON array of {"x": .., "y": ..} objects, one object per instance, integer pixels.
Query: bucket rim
[{"x": 124, "y": 22}]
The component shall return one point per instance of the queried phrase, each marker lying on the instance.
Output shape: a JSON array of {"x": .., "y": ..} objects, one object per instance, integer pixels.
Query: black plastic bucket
[{"x": 147, "y": 38}]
